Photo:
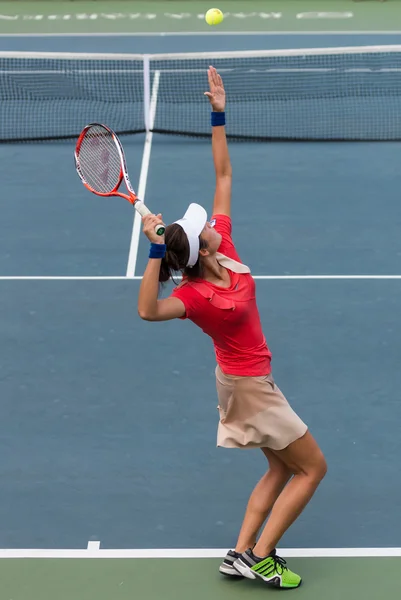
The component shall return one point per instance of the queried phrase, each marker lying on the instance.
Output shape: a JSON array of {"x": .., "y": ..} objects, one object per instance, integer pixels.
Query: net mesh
[
  {"x": 319, "y": 94},
  {"x": 295, "y": 97},
  {"x": 54, "y": 98}
]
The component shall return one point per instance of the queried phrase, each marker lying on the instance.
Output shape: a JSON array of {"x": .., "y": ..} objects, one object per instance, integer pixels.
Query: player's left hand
[{"x": 217, "y": 94}]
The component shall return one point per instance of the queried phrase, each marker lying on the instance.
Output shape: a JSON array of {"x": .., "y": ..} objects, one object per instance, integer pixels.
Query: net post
[{"x": 146, "y": 91}]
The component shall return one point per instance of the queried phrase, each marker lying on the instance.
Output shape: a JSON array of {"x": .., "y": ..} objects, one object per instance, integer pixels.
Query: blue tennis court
[{"x": 109, "y": 423}]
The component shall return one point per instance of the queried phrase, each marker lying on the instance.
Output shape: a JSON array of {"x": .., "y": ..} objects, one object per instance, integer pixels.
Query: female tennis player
[{"x": 217, "y": 293}]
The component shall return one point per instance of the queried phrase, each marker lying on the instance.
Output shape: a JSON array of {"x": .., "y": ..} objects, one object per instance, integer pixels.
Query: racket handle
[{"x": 143, "y": 210}]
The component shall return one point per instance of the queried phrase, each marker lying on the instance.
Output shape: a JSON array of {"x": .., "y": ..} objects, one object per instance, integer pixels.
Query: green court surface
[
  {"x": 198, "y": 579},
  {"x": 179, "y": 16}
]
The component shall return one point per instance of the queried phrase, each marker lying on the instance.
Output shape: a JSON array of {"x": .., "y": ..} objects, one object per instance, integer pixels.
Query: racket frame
[{"x": 131, "y": 197}]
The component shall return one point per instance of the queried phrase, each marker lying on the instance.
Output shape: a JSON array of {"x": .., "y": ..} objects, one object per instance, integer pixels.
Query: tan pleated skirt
[{"x": 254, "y": 413}]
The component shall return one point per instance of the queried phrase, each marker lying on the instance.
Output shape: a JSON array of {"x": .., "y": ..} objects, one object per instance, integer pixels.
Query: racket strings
[{"x": 99, "y": 160}]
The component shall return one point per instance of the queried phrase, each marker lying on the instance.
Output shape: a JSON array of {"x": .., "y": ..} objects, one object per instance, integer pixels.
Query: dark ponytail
[{"x": 177, "y": 254}]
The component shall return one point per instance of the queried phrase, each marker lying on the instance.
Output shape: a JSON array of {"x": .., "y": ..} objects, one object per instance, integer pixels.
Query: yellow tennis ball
[{"x": 214, "y": 16}]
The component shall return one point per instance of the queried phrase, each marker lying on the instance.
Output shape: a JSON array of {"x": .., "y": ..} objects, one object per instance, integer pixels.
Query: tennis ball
[{"x": 214, "y": 16}]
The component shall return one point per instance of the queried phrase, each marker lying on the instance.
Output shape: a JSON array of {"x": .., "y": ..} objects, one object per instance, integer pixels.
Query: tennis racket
[{"x": 100, "y": 163}]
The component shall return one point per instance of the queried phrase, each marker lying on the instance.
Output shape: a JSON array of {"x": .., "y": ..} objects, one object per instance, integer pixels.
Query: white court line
[
  {"x": 327, "y": 277},
  {"x": 139, "y": 277},
  {"x": 200, "y": 33},
  {"x": 136, "y": 230},
  {"x": 196, "y": 553},
  {"x": 62, "y": 278}
]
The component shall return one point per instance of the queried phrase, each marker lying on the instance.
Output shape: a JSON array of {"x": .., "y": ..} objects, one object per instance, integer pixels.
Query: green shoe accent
[{"x": 274, "y": 570}]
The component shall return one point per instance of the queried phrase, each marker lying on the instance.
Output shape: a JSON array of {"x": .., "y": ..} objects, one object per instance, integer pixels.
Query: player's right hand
[{"x": 149, "y": 225}]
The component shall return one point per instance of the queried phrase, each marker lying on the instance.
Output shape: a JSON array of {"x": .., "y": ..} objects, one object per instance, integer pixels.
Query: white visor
[{"x": 193, "y": 223}]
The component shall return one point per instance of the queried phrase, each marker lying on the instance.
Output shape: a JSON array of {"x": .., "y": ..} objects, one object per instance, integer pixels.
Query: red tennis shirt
[{"x": 229, "y": 316}]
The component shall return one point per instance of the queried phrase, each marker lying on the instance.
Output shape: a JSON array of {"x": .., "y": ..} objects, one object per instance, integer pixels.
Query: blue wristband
[
  {"x": 218, "y": 119},
  {"x": 157, "y": 250}
]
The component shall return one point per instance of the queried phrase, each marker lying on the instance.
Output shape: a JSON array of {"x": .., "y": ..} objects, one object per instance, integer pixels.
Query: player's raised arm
[{"x": 221, "y": 157}]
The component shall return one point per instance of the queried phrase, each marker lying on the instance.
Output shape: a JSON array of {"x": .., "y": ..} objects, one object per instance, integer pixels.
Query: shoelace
[{"x": 280, "y": 564}]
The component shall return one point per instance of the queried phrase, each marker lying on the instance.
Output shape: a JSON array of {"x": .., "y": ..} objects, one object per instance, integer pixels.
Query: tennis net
[{"x": 346, "y": 94}]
